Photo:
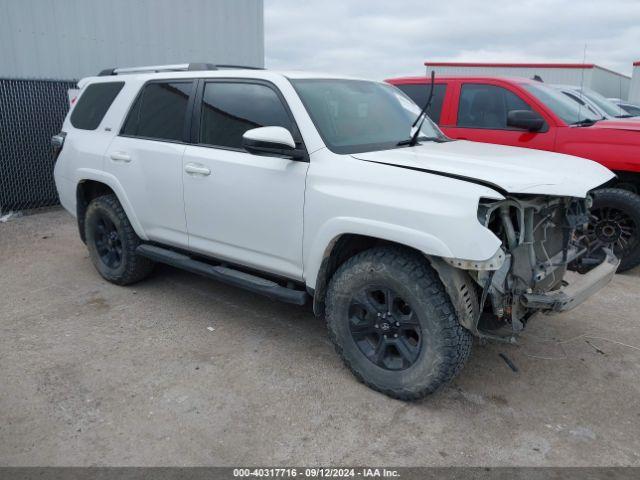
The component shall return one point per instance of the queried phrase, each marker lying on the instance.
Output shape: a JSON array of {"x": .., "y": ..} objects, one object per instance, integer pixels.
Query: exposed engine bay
[{"x": 543, "y": 238}]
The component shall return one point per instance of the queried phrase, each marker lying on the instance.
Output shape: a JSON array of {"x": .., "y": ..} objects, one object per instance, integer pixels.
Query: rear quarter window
[{"x": 93, "y": 104}]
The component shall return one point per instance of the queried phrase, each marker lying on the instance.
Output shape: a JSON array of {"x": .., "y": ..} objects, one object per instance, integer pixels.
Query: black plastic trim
[
  {"x": 224, "y": 274},
  {"x": 259, "y": 147}
]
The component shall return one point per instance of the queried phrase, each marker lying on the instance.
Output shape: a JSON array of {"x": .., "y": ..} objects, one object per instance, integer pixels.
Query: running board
[{"x": 233, "y": 277}]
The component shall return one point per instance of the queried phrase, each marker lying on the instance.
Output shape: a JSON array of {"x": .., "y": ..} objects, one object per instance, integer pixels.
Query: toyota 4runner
[{"x": 326, "y": 189}]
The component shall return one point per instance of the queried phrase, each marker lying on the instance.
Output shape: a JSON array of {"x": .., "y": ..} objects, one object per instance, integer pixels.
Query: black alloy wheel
[
  {"x": 112, "y": 242},
  {"x": 614, "y": 229},
  {"x": 393, "y": 323},
  {"x": 615, "y": 224},
  {"x": 385, "y": 328},
  {"x": 108, "y": 242}
]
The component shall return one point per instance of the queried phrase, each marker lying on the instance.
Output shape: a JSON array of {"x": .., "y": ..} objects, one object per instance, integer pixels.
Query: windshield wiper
[
  {"x": 624, "y": 116},
  {"x": 423, "y": 113},
  {"x": 587, "y": 122},
  {"x": 409, "y": 141}
]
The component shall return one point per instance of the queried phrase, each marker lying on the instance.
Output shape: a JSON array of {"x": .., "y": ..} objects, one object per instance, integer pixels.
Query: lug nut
[
  {"x": 376, "y": 326},
  {"x": 397, "y": 324},
  {"x": 395, "y": 335}
]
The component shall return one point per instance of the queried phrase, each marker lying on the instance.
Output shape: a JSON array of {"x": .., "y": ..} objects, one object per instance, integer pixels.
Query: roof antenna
[
  {"x": 538, "y": 78},
  {"x": 584, "y": 60}
]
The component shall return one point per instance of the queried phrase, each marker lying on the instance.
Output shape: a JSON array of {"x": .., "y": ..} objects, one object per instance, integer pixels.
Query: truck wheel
[
  {"x": 393, "y": 324},
  {"x": 616, "y": 224},
  {"x": 112, "y": 242}
]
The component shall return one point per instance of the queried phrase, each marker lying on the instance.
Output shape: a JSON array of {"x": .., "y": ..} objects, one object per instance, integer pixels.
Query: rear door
[
  {"x": 146, "y": 158},
  {"x": 242, "y": 207},
  {"x": 481, "y": 116}
]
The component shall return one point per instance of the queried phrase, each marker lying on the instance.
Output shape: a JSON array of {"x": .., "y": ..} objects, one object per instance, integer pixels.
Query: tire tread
[
  {"x": 452, "y": 335},
  {"x": 137, "y": 267}
]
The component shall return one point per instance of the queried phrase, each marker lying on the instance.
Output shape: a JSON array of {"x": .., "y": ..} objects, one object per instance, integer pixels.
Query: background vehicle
[
  {"x": 596, "y": 102},
  {"x": 630, "y": 108},
  {"x": 530, "y": 114},
  {"x": 302, "y": 186}
]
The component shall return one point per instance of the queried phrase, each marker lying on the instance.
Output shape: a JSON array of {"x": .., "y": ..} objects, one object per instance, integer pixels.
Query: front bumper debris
[{"x": 576, "y": 292}]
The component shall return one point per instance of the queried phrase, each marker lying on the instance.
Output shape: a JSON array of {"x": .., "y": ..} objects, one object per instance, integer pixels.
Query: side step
[{"x": 224, "y": 274}]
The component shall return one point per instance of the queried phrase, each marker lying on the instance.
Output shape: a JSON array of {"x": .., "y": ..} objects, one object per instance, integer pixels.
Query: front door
[
  {"x": 241, "y": 207},
  {"x": 482, "y": 117}
]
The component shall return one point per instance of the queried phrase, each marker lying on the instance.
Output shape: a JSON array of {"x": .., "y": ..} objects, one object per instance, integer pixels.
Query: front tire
[
  {"x": 112, "y": 242},
  {"x": 393, "y": 324},
  {"x": 615, "y": 223}
]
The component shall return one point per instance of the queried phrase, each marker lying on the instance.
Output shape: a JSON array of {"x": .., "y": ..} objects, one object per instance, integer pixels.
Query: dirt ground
[{"x": 181, "y": 370}]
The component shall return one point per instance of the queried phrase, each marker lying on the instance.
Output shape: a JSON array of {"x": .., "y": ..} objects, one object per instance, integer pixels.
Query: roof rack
[{"x": 180, "y": 67}]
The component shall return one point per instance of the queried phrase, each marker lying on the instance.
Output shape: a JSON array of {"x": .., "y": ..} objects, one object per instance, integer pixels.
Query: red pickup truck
[{"x": 527, "y": 113}]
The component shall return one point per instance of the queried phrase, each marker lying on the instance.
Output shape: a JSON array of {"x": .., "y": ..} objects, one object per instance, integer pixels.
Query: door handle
[
  {"x": 120, "y": 157},
  {"x": 194, "y": 169}
]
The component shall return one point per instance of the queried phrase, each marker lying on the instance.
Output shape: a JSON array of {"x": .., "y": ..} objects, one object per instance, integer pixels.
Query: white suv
[{"x": 306, "y": 187}]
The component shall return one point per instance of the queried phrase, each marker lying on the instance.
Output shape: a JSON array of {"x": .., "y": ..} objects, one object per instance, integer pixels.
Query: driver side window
[
  {"x": 229, "y": 109},
  {"x": 487, "y": 106}
]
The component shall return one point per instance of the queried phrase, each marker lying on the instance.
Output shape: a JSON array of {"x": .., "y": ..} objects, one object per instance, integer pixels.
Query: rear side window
[
  {"x": 93, "y": 104},
  {"x": 420, "y": 94},
  {"x": 230, "y": 109},
  {"x": 160, "y": 111},
  {"x": 486, "y": 106}
]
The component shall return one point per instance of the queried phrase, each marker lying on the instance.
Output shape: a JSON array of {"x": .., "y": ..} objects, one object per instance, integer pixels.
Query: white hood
[{"x": 516, "y": 170}]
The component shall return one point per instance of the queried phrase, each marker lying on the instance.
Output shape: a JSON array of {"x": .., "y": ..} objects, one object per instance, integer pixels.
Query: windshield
[
  {"x": 568, "y": 110},
  {"x": 355, "y": 116},
  {"x": 605, "y": 105},
  {"x": 631, "y": 109}
]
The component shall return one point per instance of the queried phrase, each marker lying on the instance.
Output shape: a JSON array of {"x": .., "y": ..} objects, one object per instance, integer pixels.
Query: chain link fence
[{"x": 31, "y": 112}]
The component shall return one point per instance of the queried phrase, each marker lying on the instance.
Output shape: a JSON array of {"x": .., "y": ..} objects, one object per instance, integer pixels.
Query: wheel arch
[
  {"x": 625, "y": 180},
  {"x": 341, "y": 248},
  {"x": 92, "y": 184}
]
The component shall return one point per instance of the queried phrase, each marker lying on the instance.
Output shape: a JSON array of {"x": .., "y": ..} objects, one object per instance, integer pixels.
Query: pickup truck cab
[
  {"x": 526, "y": 113},
  {"x": 317, "y": 188}
]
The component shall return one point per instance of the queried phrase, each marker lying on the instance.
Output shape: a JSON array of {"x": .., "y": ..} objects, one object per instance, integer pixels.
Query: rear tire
[
  {"x": 112, "y": 242},
  {"x": 616, "y": 224},
  {"x": 416, "y": 349}
]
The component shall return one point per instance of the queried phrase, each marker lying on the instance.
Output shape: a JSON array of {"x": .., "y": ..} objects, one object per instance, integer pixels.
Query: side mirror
[
  {"x": 271, "y": 141},
  {"x": 525, "y": 119}
]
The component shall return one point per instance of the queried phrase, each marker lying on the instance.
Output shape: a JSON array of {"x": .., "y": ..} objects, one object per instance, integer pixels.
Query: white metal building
[
  {"x": 634, "y": 91},
  {"x": 71, "y": 39},
  {"x": 605, "y": 81}
]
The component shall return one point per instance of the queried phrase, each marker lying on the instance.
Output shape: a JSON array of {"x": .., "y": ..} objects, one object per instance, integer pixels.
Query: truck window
[
  {"x": 93, "y": 104},
  {"x": 486, "y": 106},
  {"x": 159, "y": 111},
  {"x": 230, "y": 109},
  {"x": 419, "y": 93}
]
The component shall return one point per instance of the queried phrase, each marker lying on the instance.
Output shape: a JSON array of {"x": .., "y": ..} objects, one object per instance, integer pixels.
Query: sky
[{"x": 384, "y": 38}]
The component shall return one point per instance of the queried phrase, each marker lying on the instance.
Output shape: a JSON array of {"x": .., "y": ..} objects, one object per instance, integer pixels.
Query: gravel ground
[{"x": 181, "y": 370}]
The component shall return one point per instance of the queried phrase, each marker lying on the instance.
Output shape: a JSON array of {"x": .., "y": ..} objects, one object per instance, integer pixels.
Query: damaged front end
[{"x": 536, "y": 268}]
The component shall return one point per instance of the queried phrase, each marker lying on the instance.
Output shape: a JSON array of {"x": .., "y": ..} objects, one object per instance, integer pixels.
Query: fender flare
[
  {"x": 83, "y": 174},
  {"x": 336, "y": 227}
]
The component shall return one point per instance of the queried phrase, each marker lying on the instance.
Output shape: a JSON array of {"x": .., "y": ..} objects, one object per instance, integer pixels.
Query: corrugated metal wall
[
  {"x": 634, "y": 91},
  {"x": 66, "y": 39},
  {"x": 607, "y": 83}
]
